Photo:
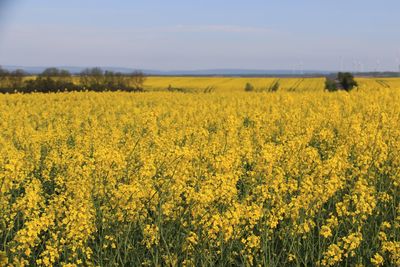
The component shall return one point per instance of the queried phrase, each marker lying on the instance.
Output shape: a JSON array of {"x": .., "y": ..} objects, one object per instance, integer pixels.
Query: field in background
[
  {"x": 366, "y": 83},
  {"x": 234, "y": 84},
  {"x": 237, "y": 84}
]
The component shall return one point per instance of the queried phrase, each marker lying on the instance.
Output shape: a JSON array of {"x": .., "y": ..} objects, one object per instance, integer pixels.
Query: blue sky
[{"x": 189, "y": 35}]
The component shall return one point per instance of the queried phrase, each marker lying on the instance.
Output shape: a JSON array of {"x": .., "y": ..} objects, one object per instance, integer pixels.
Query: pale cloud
[
  {"x": 215, "y": 28},
  {"x": 198, "y": 29},
  {"x": 145, "y": 30}
]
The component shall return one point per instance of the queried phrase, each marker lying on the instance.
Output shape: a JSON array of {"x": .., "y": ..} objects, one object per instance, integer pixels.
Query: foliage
[
  {"x": 50, "y": 80},
  {"x": 346, "y": 79},
  {"x": 3, "y": 72},
  {"x": 92, "y": 78},
  {"x": 48, "y": 84},
  {"x": 55, "y": 80},
  {"x": 249, "y": 87},
  {"x": 54, "y": 72},
  {"x": 97, "y": 80},
  {"x": 330, "y": 85},
  {"x": 3, "y": 76},
  {"x": 274, "y": 86},
  {"x": 209, "y": 89},
  {"x": 137, "y": 79},
  {"x": 13, "y": 79},
  {"x": 168, "y": 179}
]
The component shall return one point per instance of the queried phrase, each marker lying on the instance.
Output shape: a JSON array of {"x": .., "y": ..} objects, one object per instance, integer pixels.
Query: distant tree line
[
  {"x": 13, "y": 79},
  {"x": 56, "y": 80}
]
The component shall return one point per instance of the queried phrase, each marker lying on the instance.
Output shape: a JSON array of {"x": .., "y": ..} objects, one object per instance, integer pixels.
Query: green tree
[
  {"x": 330, "y": 85},
  {"x": 16, "y": 79},
  {"x": 63, "y": 76},
  {"x": 116, "y": 81},
  {"x": 249, "y": 87},
  {"x": 3, "y": 77},
  {"x": 346, "y": 79},
  {"x": 50, "y": 72},
  {"x": 92, "y": 79},
  {"x": 137, "y": 79}
]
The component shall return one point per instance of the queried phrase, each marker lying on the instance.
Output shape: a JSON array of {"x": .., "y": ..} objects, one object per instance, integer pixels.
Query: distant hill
[
  {"x": 209, "y": 72},
  {"x": 206, "y": 72}
]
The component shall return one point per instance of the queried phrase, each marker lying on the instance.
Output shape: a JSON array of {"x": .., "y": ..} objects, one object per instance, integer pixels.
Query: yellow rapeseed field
[
  {"x": 220, "y": 179},
  {"x": 233, "y": 84},
  {"x": 371, "y": 83},
  {"x": 236, "y": 84}
]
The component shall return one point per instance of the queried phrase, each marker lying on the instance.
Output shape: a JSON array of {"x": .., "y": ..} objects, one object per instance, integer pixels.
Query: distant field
[
  {"x": 378, "y": 82},
  {"x": 236, "y": 84},
  {"x": 232, "y": 84},
  {"x": 225, "y": 84}
]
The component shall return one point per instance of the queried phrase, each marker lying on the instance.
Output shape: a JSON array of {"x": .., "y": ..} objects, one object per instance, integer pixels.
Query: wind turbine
[
  {"x": 378, "y": 65},
  {"x": 341, "y": 64},
  {"x": 398, "y": 60},
  {"x": 398, "y": 64},
  {"x": 355, "y": 66},
  {"x": 361, "y": 66},
  {"x": 302, "y": 67}
]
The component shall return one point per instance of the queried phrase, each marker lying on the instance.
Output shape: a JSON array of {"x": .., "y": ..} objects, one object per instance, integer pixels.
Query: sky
[{"x": 360, "y": 35}]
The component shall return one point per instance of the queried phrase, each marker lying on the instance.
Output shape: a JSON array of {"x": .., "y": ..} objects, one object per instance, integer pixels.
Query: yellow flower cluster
[{"x": 169, "y": 179}]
